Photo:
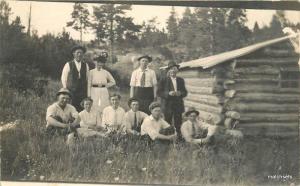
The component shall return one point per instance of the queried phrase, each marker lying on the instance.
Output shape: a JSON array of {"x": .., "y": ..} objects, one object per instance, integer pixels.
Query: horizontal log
[
  {"x": 208, "y": 108},
  {"x": 294, "y": 68},
  {"x": 261, "y": 80},
  {"x": 262, "y": 107},
  {"x": 263, "y": 88},
  {"x": 233, "y": 114},
  {"x": 269, "y": 133},
  {"x": 255, "y": 76},
  {"x": 201, "y": 82},
  {"x": 195, "y": 73},
  {"x": 268, "y": 61},
  {"x": 205, "y": 99},
  {"x": 204, "y": 90},
  {"x": 259, "y": 69},
  {"x": 267, "y": 117},
  {"x": 270, "y": 124},
  {"x": 268, "y": 128},
  {"x": 267, "y": 97},
  {"x": 278, "y": 52}
]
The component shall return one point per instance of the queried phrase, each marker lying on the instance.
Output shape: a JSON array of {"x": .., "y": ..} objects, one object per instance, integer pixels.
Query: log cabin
[{"x": 254, "y": 89}]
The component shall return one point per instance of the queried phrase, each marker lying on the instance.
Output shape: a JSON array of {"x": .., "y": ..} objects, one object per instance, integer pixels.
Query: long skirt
[{"x": 100, "y": 97}]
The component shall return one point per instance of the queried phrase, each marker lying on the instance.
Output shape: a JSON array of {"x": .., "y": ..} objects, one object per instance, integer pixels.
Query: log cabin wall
[
  {"x": 205, "y": 93},
  {"x": 262, "y": 92}
]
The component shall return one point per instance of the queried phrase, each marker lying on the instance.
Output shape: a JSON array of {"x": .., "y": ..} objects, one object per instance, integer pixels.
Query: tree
[
  {"x": 80, "y": 19},
  {"x": 238, "y": 34},
  {"x": 112, "y": 25},
  {"x": 186, "y": 26},
  {"x": 172, "y": 26}
]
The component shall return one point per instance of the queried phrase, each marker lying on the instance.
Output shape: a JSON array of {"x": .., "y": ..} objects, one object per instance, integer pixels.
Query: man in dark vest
[
  {"x": 172, "y": 91},
  {"x": 74, "y": 76}
]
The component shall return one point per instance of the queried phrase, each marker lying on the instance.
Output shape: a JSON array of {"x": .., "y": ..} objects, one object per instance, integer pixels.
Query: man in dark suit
[{"x": 172, "y": 91}]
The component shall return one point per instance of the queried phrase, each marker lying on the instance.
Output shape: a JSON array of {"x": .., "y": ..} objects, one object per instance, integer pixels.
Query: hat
[
  {"x": 145, "y": 56},
  {"x": 191, "y": 110},
  {"x": 78, "y": 47},
  {"x": 101, "y": 57},
  {"x": 63, "y": 91},
  {"x": 132, "y": 100},
  {"x": 154, "y": 105},
  {"x": 172, "y": 64}
]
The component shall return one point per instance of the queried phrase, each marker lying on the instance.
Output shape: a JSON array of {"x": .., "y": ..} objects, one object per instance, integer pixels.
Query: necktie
[
  {"x": 135, "y": 122},
  {"x": 143, "y": 79}
]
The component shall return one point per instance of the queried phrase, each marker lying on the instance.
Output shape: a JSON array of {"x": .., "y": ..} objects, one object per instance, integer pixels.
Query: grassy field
[{"x": 27, "y": 154}]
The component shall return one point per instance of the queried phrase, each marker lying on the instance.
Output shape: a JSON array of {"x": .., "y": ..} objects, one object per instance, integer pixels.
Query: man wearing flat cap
[
  {"x": 154, "y": 124},
  {"x": 143, "y": 83},
  {"x": 74, "y": 76},
  {"x": 172, "y": 91},
  {"x": 62, "y": 118}
]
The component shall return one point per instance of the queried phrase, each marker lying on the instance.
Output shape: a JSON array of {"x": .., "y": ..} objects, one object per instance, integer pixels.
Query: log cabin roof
[{"x": 211, "y": 61}]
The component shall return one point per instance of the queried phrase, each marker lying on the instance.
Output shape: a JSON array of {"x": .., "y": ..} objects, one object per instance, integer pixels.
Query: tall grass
[{"x": 28, "y": 154}]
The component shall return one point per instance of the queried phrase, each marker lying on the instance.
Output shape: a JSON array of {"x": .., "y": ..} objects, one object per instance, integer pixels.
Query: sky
[{"x": 51, "y": 17}]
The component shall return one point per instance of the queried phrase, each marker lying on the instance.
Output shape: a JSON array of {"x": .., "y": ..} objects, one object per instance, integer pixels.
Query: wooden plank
[
  {"x": 208, "y": 108},
  {"x": 204, "y": 99},
  {"x": 194, "y": 73},
  {"x": 267, "y": 97},
  {"x": 262, "y": 107},
  {"x": 233, "y": 114},
  {"x": 270, "y": 124},
  {"x": 254, "y": 76},
  {"x": 261, "y": 80},
  {"x": 268, "y": 117},
  {"x": 268, "y": 61}
]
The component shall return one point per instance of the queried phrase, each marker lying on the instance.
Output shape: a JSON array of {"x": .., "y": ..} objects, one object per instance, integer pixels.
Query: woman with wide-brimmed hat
[{"x": 99, "y": 80}]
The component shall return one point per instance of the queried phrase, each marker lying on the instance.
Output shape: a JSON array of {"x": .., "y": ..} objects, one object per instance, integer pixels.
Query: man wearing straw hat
[{"x": 75, "y": 75}]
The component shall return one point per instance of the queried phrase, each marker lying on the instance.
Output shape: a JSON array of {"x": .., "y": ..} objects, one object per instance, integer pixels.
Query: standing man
[
  {"x": 172, "y": 91},
  {"x": 143, "y": 84},
  {"x": 74, "y": 76}
]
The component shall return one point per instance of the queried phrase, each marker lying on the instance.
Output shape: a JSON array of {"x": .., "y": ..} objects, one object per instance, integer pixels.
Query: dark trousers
[
  {"x": 171, "y": 114},
  {"x": 145, "y": 96},
  {"x": 78, "y": 96}
]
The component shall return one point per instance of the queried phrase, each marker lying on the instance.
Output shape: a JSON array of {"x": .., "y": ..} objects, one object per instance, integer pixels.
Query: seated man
[
  {"x": 90, "y": 120},
  {"x": 196, "y": 132},
  {"x": 113, "y": 115},
  {"x": 134, "y": 118},
  {"x": 62, "y": 117},
  {"x": 153, "y": 124}
]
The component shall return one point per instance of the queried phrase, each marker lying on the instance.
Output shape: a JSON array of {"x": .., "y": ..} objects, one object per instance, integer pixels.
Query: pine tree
[
  {"x": 172, "y": 26},
  {"x": 80, "y": 19}
]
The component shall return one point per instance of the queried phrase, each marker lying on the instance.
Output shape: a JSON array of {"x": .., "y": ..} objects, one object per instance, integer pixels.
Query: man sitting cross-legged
[
  {"x": 134, "y": 118},
  {"x": 113, "y": 116},
  {"x": 154, "y": 124},
  {"x": 62, "y": 118}
]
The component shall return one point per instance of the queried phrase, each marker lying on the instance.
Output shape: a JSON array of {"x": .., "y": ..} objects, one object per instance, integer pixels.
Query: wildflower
[
  {"x": 42, "y": 177},
  {"x": 116, "y": 178},
  {"x": 144, "y": 169},
  {"x": 108, "y": 161}
]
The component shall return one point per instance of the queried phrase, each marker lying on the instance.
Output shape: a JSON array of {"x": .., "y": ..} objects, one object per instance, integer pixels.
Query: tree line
[{"x": 198, "y": 33}]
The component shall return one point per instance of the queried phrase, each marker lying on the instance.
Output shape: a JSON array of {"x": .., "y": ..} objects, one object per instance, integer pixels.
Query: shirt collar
[
  {"x": 145, "y": 69},
  {"x": 77, "y": 61}
]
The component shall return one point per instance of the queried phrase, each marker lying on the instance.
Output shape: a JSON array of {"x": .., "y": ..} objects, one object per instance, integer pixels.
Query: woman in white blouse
[
  {"x": 90, "y": 120},
  {"x": 99, "y": 80}
]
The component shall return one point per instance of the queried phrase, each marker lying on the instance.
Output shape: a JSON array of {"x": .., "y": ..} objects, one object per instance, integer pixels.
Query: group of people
[{"x": 85, "y": 108}]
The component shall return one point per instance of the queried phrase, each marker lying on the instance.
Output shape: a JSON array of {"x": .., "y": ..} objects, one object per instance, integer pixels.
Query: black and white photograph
[{"x": 149, "y": 93}]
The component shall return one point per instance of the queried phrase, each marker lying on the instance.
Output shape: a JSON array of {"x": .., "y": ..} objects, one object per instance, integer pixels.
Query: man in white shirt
[
  {"x": 143, "y": 84},
  {"x": 134, "y": 118},
  {"x": 75, "y": 75},
  {"x": 62, "y": 118},
  {"x": 113, "y": 115},
  {"x": 153, "y": 124}
]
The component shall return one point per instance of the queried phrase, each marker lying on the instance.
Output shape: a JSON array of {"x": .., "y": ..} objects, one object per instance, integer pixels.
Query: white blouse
[
  {"x": 90, "y": 119},
  {"x": 101, "y": 76}
]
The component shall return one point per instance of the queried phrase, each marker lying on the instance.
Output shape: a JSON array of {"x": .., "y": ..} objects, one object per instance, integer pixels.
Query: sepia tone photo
[{"x": 149, "y": 93}]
